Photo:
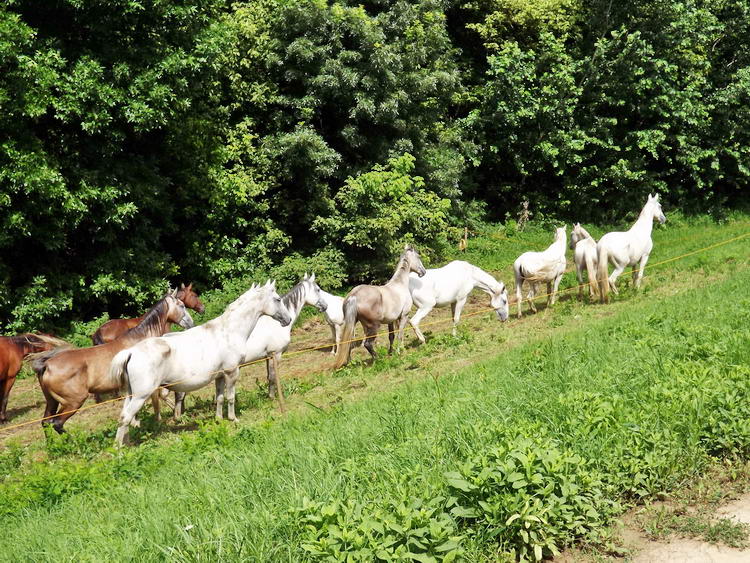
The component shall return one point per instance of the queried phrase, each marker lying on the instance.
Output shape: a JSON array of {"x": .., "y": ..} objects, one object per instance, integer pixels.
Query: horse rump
[{"x": 347, "y": 334}]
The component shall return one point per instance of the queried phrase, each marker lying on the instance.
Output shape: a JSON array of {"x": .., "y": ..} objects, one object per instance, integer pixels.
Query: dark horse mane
[
  {"x": 150, "y": 320},
  {"x": 293, "y": 295},
  {"x": 26, "y": 338}
]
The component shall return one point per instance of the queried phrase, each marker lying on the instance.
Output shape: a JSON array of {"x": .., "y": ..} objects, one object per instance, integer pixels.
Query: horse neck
[
  {"x": 583, "y": 233},
  {"x": 484, "y": 281},
  {"x": 240, "y": 318},
  {"x": 557, "y": 247},
  {"x": 645, "y": 222},
  {"x": 401, "y": 275},
  {"x": 295, "y": 302}
]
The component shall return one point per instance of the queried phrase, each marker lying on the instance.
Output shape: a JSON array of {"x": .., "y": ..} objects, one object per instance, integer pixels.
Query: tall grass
[{"x": 514, "y": 455}]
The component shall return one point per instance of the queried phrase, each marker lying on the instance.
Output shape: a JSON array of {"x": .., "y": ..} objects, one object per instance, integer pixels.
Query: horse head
[
  {"x": 177, "y": 312},
  {"x": 657, "y": 213},
  {"x": 413, "y": 260},
  {"x": 499, "y": 302},
  {"x": 273, "y": 306},
  {"x": 575, "y": 235},
  {"x": 560, "y": 233},
  {"x": 312, "y": 295},
  {"x": 188, "y": 296}
]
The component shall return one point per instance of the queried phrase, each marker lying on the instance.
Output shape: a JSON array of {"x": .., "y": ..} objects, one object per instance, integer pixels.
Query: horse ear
[
  {"x": 656, "y": 197},
  {"x": 312, "y": 277},
  {"x": 305, "y": 276},
  {"x": 182, "y": 286}
]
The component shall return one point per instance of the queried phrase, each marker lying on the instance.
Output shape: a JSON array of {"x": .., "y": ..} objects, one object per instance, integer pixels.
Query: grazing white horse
[
  {"x": 583, "y": 246},
  {"x": 192, "y": 359},
  {"x": 629, "y": 248},
  {"x": 451, "y": 285},
  {"x": 535, "y": 267},
  {"x": 334, "y": 315}
]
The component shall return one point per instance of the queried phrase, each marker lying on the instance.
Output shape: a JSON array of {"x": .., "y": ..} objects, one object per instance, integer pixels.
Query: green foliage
[
  {"x": 377, "y": 212},
  {"x": 531, "y": 498},
  {"x": 395, "y": 531}
]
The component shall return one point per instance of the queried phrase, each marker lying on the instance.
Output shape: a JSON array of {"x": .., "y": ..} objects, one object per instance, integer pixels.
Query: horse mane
[
  {"x": 150, "y": 320},
  {"x": 294, "y": 295},
  {"x": 403, "y": 264},
  {"x": 584, "y": 232}
]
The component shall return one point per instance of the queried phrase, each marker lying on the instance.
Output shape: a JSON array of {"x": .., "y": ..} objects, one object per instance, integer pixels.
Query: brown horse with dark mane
[
  {"x": 68, "y": 376},
  {"x": 114, "y": 328},
  {"x": 13, "y": 350}
]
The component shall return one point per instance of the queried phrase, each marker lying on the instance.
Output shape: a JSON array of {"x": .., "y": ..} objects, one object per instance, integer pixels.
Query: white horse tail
[
  {"x": 118, "y": 370},
  {"x": 591, "y": 269},
  {"x": 347, "y": 333},
  {"x": 603, "y": 257}
]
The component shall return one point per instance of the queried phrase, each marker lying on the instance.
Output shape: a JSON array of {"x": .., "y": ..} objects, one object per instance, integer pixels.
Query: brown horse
[
  {"x": 372, "y": 305},
  {"x": 114, "y": 328},
  {"x": 13, "y": 349},
  {"x": 68, "y": 376}
]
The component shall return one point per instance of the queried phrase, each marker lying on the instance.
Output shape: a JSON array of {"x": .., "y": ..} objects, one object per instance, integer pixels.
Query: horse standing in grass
[
  {"x": 451, "y": 285},
  {"x": 535, "y": 267},
  {"x": 270, "y": 338},
  {"x": 194, "y": 358},
  {"x": 13, "y": 350},
  {"x": 114, "y": 328},
  {"x": 334, "y": 315},
  {"x": 373, "y": 305},
  {"x": 629, "y": 248},
  {"x": 583, "y": 246},
  {"x": 67, "y": 376}
]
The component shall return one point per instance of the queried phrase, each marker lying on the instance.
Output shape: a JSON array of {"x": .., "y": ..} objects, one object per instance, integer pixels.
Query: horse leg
[
  {"x": 271, "y": 376},
  {"x": 156, "y": 403},
  {"x": 129, "y": 410},
  {"x": 579, "y": 277},
  {"x": 555, "y": 285},
  {"x": 391, "y": 337},
  {"x": 220, "y": 386},
  {"x": 519, "y": 295},
  {"x": 613, "y": 278},
  {"x": 532, "y": 295},
  {"x": 4, "y": 392},
  {"x": 179, "y": 404},
  {"x": 370, "y": 331},
  {"x": 401, "y": 326},
  {"x": 456, "y": 308},
  {"x": 51, "y": 409},
  {"x": 335, "y": 337},
  {"x": 231, "y": 387},
  {"x": 68, "y": 409},
  {"x": 416, "y": 319},
  {"x": 641, "y": 267},
  {"x": 549, "y": 294},
  {"x": 279, "y": 391}
]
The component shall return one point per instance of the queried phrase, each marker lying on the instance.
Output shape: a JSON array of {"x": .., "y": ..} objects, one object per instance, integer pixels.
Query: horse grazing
[
  {"x": 451, "y": 285},
  {"x": 372, "y": 305},
  {"x": 67, "y": 376},
  {"x": 583, "y": 246},
  {"x": 192, "y": 359},
  {"x": 13, "y": 350},
  {"x": 270, "y": 339},
  {"x": 535, "y": 267},
  {"x": 629, "y": 248},
  {"x": 114, "y": 328}
]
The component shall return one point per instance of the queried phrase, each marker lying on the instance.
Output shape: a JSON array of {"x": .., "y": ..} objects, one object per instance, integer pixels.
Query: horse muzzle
[
  {"x": 502, "y": 314},
  {"x": 283, "y": 318},
  {"x": 187, "y": 321},
  {"x": 321, "y": 306},
  {"x": 421, "y": 272}
]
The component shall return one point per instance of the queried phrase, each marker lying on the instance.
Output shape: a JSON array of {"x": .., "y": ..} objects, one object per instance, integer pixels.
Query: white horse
[
  {"x": 535, "y": 267},
  {"x": 192, "y": 359},
  {"x": 270, "y": 338},
  {"x": 451, "y": 285},
  {"x": 629, "y": 248},
  {"x": 334, "y": 315},
  {"x": 583, "y": 246}
]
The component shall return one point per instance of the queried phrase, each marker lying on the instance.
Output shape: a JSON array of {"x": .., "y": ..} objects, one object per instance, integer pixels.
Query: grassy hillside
[{"x": 506, "y": 441}]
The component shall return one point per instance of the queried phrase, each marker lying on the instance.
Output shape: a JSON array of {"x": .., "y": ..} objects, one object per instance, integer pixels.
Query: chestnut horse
[
  {"x": 373, "y": 305},
  {"x": 68, "y": 376},
  {"x": 114, "y": 328},
  {"x": 13, "y": 349}
]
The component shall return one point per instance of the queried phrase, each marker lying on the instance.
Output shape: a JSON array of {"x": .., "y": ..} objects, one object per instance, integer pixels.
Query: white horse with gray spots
[
  {"x": 537, "y": 267},
  {"x": 628, "y": 248},
  {"x": 451, "y": 285}
]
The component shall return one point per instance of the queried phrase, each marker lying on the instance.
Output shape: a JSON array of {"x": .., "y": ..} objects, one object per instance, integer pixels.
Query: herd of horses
[{"x": 143, "y": 359}]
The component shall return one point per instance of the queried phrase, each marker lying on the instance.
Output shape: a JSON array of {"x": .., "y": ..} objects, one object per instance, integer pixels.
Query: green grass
[{"x": 491, "y": 453}]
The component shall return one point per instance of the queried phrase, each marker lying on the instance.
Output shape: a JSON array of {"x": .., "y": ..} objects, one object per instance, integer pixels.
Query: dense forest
[{"x": 206, "y": 140}]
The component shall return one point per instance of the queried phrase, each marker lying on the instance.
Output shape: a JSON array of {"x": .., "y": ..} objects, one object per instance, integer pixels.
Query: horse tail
[
  {"x": 38, "y": 360},
  {"x": 118, "y": 370},
  {"x": 603, "y": 258},
  {"x": 591, "y": 269},
  {"x": 96, "y": 338},
  {"x": 347, "y": 333}
]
